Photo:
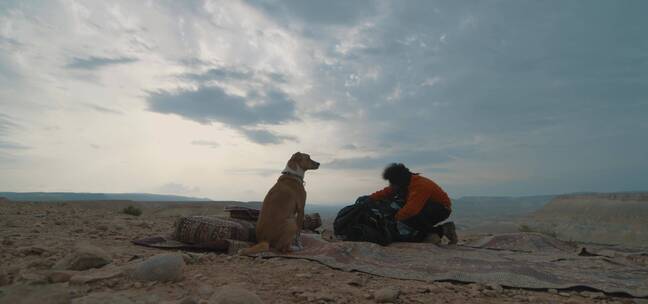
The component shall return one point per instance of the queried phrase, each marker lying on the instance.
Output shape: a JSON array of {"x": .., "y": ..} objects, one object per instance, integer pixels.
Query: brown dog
[{"x": 282, "y": 212}]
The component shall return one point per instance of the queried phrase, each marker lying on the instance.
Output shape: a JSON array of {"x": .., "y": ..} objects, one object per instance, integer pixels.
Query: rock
[
  {"x": 553, "y": 291},
  {"x": 60, "y": 276},
  {"x": 83, "y": 257},
  {"x": 51, "y": 294},
  {"x": 564, "y": 294},
  {"x": 32, "y": 277},
  {"x": 103, "y": 298},
  {"x": 204, "y": 290},
  {"x": 357, "y": 281},
  {"x": 592, "y": 295},
  {"x": 229, "y": 294},
  {"x": 32, "y": 250},
  {"x": 304, "y": 275},
  {"x": 96, "y": 275},
  {"x": 386, "y": 295},
  {"x": 188, "y": 300},
  {"x": 495, "y": 287},
  {"x": 316, "y": 296},
  {"x": 102, "y": 228},
  {"x": 161, "y": 267}
]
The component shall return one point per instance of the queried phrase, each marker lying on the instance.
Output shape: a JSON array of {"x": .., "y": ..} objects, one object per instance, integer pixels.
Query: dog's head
[{"x": 302, "y": 161}]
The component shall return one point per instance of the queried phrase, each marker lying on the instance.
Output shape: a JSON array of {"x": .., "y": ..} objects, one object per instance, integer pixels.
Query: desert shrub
[{"x": 132, "y": 211}]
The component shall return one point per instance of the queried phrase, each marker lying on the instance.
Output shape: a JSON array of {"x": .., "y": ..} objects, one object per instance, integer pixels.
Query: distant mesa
[
  {"x": 609, "y": 218},
  {"x": 74, "y": 196}
]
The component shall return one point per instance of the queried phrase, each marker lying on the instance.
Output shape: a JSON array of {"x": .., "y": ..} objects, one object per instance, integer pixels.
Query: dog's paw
[{"x": 295, "y": 248}]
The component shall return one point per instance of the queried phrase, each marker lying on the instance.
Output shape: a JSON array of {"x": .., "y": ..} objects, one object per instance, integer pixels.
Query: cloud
[
  {"x": 232, "y": 74},
  {"x": 102, "y": 109},
  {"x": 206, "y": 143},
  {"x": 210, "y": 104},
  {"x": 334, "y": 12},
  {"x": 218, "y": 74},
  {"x": 11, "y": 146},
  {"x": 412, "y": 159},
  {"x": 93, "y": 63},
  {"x": 265, "y": 137},
  {"x": 6, "y": 126}
]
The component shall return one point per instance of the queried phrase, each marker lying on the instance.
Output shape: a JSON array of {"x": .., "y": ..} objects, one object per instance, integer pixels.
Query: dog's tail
[{"x": 258, "y": 248}]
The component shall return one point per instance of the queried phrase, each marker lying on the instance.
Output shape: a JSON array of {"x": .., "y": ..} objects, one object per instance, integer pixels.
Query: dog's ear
[{"x": 293, "y": 163}]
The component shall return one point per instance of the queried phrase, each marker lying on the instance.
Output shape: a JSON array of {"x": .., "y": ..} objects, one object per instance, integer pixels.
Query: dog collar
[{"x": 300, "y": 178}]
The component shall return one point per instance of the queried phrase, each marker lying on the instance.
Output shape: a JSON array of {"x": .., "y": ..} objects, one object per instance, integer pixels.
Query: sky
[{"x": 211, "y": 98}]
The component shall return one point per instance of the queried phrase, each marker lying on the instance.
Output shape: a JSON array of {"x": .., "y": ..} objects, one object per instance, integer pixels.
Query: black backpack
[{"x": 367, "y": 221}]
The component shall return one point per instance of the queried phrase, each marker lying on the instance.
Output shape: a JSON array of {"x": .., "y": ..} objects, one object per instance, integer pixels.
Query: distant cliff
[{"x": 614, "y": 218}]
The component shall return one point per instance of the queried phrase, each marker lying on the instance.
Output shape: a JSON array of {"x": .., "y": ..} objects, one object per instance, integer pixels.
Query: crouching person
[{"x": 426, "y": 204}]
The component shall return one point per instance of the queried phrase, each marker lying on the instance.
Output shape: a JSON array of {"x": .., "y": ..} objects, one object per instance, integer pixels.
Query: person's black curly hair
[{"x": 397, "y": 174}]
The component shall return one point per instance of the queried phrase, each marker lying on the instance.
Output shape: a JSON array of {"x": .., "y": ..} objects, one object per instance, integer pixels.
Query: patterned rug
[{"x": 514, "y": 260}]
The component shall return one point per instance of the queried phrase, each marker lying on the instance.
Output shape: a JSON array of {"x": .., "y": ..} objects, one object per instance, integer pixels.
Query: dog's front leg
[{"x": 297, "y": 244}]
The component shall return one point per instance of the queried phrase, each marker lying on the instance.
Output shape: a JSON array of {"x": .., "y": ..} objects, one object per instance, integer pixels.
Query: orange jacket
[{"x": 419, "y": 191}]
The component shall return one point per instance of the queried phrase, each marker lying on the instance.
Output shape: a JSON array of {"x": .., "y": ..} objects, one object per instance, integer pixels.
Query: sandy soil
[{"x": 35, "y": 236}]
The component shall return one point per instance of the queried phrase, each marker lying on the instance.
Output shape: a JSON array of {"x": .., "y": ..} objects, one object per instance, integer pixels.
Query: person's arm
[
  {"x": 415, "y": 202},
  {"x": 382, "y": 194}
]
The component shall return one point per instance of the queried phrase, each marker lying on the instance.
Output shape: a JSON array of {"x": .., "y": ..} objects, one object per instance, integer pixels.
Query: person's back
[{"x": 426, "y": 204}]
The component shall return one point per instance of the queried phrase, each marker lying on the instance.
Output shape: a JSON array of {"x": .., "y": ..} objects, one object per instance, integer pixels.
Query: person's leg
[
  {"x": 426, "y": 220},
  {"x": 434, "y": 213}
]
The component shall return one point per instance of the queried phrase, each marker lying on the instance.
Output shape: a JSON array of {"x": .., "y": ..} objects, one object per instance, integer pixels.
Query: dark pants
[{"x": 426, "y": 220}]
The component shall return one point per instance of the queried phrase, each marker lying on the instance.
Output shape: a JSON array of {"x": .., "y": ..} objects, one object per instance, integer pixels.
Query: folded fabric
[{"x": 202, "y": 229}]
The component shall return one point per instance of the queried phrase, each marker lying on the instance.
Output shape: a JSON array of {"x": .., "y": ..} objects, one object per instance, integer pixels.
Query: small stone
[
  {"x": 495, "y": 287},
  {"x": 304, "y": 275},
  {"x": 103, "y": 298},
  {"x": 592, "y": 295},
  {"x": 564, "y": 294},
  {"x": 84, "y": 257},
  {"x": 553, "y": 291},
  {"x": 386, "y": 295},
  {"x": 32, "y": 250},
  {"x": 356, "y": 281},
  {"x": 59, "y": 276},
  {"x": 188, "y": 300},
  {"x": 33, "y": 278},
  {"x": 137, "y": 285},
  {"x": 96, "y": 275},
  {"x": 204, "y": 290},
  {"x": 102, "y": 228},
  {"x": 161, "y": 267},
  {"x": 234, "y": 295}
]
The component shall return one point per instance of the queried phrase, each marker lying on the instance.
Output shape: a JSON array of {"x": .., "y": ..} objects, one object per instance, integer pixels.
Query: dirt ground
[{"x": 35, "y": 236}]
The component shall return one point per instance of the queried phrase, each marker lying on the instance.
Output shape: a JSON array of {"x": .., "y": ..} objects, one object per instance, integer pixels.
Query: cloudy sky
[{"x": 210, "y": 98}]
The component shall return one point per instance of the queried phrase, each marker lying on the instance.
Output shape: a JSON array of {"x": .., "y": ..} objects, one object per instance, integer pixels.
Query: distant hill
[
  {"x": 613, "y": 218},
  {"x": 73, "y": 196},
  {"x": 490, "y": 212}
]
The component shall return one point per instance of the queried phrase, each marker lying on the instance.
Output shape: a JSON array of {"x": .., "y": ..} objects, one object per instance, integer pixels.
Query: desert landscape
[{"x": 81, "y": 252}]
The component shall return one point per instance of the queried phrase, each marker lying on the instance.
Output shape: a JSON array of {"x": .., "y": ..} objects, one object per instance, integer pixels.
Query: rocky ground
[{"x": 81, "y": 253}]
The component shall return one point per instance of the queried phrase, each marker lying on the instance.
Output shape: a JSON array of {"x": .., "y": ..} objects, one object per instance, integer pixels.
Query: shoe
[
  {"x": 432, "y": 238},
  {"x": 450, "y": 232}
]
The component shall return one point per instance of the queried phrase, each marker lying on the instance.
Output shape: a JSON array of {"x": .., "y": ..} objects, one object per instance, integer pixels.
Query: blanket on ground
[{"x": 547, "y": 263}]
